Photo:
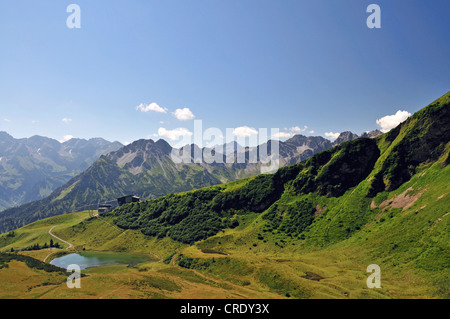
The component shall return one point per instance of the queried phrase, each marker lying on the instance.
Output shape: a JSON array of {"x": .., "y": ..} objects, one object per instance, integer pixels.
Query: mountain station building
[{"x": 127, "y": 199}]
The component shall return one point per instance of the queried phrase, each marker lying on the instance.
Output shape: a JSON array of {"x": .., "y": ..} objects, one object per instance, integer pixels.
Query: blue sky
[{"x": 231, "y": 63}]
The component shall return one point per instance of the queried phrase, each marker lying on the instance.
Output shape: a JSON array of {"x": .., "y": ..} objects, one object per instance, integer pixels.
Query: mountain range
[
  {"x": 144, "y": 168},
  {"x": 32, "y": 168},
  {"x": 376, "y": 201},
  {"x": 319, "y": 228}
]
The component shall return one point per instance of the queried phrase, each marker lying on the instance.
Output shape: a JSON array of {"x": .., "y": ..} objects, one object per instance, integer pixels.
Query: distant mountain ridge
[
  {"x": 31, "y": 168},
  {"x": 144, "y": 168},
  {"x": 384, "y": 200},
  {"x": 369, "y": 201}
]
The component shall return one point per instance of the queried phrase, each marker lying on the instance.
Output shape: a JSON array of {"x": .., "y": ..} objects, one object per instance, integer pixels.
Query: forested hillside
[
  {"x": 145, "y": 168},
  {"x": 365, "y": 189}
]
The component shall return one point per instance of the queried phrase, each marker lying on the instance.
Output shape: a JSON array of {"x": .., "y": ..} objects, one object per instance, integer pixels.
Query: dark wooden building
[{"x": 127, "y": 199}]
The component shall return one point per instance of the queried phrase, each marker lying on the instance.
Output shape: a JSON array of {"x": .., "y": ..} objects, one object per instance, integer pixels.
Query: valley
[
  {"x": 146, "y": 169},
  {"x": 32, "y": 168},
  {"x": 308, "y": 231}
]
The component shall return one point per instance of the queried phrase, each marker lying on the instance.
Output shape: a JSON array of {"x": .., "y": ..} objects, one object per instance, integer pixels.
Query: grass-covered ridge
[
  {"x": 343, "y": 195},
  {"x": 421, "y": 138},
  {"x": 308, "y": 231},
  {"x": 200, "y": 214}
]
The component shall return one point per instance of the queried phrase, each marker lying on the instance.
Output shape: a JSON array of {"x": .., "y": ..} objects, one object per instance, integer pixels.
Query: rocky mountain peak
[{"x": 345, "y": 137}]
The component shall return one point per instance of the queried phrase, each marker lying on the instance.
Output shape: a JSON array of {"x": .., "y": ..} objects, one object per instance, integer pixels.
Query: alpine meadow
[{"x": 308, "y": 231}]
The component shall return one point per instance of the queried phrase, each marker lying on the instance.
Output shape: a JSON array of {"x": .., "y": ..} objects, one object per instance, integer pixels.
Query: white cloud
[
  {"x": 283, "y": 135},
  {"x": 183, "y": 114},
  {"x": 175, "y": 134},
  {"x": 244, "y": 131},
  {"x": 7, "y": 120},
  {"x": 151, "y": 107},
  {"x": 66, "y": 138},
  {"x": 66, "y": 120},
  {"x": 311, "y": 132},
  {"x": 298, "y": 129},
  {"x": 388, "y": 122},
  {"x": 332, "y": 135},
  {"x": 290, "y": 132}
]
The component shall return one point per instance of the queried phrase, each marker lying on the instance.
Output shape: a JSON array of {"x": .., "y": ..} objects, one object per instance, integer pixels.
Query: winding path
[
  {"x": 66, "y": 242},
  {"x": 53, "y": 235}
]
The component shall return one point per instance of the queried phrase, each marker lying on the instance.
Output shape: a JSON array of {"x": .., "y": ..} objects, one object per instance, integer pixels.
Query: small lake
[{"x": 95, "y": 259}]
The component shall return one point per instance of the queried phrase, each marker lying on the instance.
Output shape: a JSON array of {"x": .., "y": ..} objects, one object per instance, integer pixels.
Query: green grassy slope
[
  {"x": 364, "y": 193},
  {"x": 308, "y": 231},
  {"x": 105, "y": 181}
]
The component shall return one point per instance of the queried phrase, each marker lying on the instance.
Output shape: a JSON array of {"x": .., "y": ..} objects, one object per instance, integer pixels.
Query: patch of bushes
[
  {"x": 333, "y": 172},
  {"x": 203, "y": 213},
  {"x": 291, "y": 220},
  {"x": 168, "y": 259},
  {"x": 45, "y": 246},
  {"x": 30, "y": 262},
  {"x": 193, "y": 263}
]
